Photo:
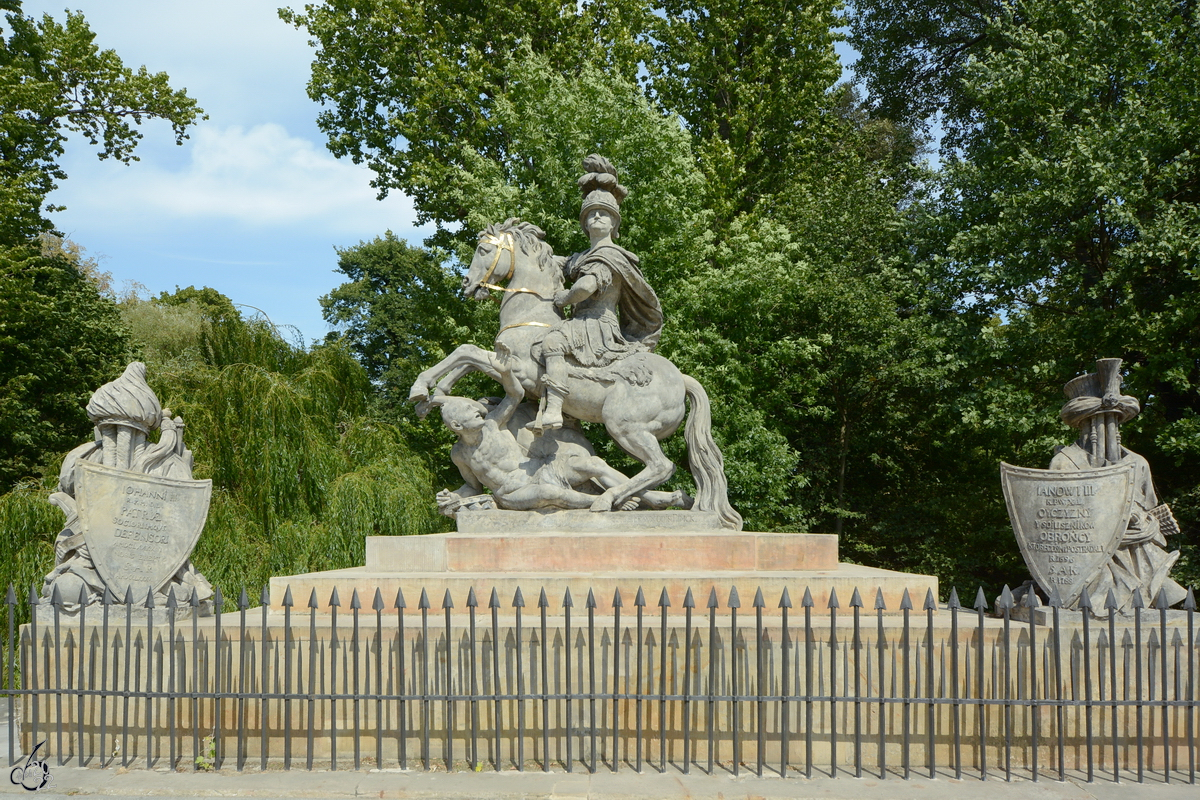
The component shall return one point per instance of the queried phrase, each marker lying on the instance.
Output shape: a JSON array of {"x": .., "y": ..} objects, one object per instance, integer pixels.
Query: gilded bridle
[{"x": 505, "y": 241}]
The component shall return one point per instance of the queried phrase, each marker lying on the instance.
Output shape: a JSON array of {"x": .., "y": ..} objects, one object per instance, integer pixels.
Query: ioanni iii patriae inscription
[{"x": 139, "y": 529}]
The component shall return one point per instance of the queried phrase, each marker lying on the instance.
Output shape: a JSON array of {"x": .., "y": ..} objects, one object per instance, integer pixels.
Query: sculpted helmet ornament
[
  {"x": 601, "y": 189},
  {"x": 578, "y": 353}
]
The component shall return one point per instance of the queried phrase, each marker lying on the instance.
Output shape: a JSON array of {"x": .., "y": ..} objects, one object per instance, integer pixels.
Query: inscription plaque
[
  {"x": 138, "y": 528},
  {"x": 1068, "y": 524}
]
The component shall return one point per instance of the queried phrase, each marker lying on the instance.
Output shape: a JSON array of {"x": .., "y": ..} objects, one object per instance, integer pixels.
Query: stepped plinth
[{"x": 584, "y": 551}]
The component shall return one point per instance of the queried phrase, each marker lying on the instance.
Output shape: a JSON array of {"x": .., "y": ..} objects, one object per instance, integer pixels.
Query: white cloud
[
  {"x": 236, "y": 57},
  {"x": 258, "y": 176},
  {"x": 252, "y": 204}
]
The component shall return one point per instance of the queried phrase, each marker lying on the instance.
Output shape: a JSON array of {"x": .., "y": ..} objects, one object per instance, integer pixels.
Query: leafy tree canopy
[
  {"x": 54, "y": 80},
  {"x": 212, "y": 303},
  {"x": 416, "y": 90},
  {"x": 751, "y": 82},
  {"x": 59, "y": 340},
  {"x": 1065, "y": 221},
  {"x": 912, "y": 53},
  {"x": 876, "y": 335},
  {"x": 302, "y": 470}
]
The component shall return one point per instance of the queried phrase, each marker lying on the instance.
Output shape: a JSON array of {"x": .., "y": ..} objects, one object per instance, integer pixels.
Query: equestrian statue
[{"x": 597, "y": 365}]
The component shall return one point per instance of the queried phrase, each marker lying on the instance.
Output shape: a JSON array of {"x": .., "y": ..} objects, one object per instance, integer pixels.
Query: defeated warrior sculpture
[
  {"x": 133, "y": 512},
  {"x": 1092, "y": 523},
  {"x": 523, "y": 473},
  {"x": 599, "y": 365}
]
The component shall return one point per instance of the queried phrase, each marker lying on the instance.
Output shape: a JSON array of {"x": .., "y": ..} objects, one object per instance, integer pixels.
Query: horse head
[{"x": 504, "y": 250}]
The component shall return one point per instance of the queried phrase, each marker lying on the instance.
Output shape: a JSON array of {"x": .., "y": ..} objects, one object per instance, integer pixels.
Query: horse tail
[{"x": 705, "y": 459}]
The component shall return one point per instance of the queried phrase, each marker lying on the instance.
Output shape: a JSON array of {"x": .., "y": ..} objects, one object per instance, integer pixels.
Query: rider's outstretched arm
[{"x": 582, "y": 289}]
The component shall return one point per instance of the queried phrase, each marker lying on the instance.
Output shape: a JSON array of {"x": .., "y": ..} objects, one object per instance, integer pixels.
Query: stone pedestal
[
  {"x": 94, "y": 615},
  {"x": 602, "y": 553}
]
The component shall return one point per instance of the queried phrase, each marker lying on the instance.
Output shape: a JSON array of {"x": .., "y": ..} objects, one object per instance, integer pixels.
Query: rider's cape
[{"x": 640, "y": 311}]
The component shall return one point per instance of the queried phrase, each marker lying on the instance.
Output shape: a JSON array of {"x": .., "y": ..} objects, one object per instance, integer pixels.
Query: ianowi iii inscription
[
  {"x": 1067, "y": 523},
  {"x": 1092, "y": 524}
]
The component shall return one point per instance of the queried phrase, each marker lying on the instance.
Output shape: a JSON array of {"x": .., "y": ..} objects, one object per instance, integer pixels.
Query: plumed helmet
[
  {"x": 601, "y": 188},
  {"x": 128, "y": 400}
]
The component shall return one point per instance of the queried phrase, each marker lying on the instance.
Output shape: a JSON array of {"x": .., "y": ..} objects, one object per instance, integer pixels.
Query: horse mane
[{"x": 529, "y": 237}]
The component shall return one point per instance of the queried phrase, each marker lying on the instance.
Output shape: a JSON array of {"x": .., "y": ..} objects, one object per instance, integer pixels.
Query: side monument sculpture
[
  {"x": 133, "y": 511},
  {"x": 1092, "y": 524},
  {"x": 597, "y": 365}
]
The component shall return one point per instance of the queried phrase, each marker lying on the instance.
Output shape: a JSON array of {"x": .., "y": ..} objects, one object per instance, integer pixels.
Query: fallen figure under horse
[{"x": 640, "y": 398}]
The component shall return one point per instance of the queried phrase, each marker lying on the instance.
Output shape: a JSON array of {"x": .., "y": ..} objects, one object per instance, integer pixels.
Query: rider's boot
[{"x": 555, "y": 382}]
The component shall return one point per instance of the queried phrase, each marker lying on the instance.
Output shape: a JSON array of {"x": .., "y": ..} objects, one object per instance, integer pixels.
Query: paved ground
[
  {"x": 110, "y": 783},
  {"x": 119, "y": 782}
]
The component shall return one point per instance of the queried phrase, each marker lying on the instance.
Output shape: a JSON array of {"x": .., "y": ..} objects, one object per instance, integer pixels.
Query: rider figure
[{"x": 606, "y": 280}]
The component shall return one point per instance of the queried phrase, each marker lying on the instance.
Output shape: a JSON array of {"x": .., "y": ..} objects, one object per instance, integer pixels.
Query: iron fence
[{"x": 989, "y": 691}]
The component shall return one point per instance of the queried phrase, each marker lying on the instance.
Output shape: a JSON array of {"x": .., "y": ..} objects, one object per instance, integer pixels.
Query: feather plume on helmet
[{"x": 601, "y": 189}]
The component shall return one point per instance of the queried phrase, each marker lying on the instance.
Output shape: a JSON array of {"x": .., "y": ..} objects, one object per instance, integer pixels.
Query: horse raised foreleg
[
  {"x": 442, "y": 376},
  {"x": 447, "y": 381}
]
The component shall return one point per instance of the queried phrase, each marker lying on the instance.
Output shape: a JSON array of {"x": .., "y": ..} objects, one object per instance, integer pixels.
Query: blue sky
[{"x": 252, "y": 204}]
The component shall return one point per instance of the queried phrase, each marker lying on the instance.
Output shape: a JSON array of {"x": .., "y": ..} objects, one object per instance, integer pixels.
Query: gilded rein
[{"x": 503, "y": 242}]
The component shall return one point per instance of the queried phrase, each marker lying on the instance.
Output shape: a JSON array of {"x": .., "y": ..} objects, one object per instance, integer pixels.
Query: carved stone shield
[
  {"x": 1068, "y": 524},
  {"x": 139, "y": 529}
]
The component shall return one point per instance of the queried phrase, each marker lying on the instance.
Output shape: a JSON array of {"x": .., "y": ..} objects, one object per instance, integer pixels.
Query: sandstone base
[{"x": 602, "y": 553}]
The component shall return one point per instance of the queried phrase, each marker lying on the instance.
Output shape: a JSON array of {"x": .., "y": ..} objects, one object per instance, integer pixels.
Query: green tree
[
  {"x": 55, "y": 81},
  {"x": 302, "y": 469},
  {"x": 913, "y": 53},
  {"x": 210, "y": 302},
  {"x": 59, "y": 340},
  {"x": 818, "y": 327},
  {"x": 662, "y": 219},
  {"x": 400, "y": 312},
  {"x": 750, "y": 81},
  {"x": 1078, "y": 197},
  {"x": 400, "y": 309},
  {"x": 418, "y": 92},
  {"x": 1064, "y": 227},
  {"x": 411, "y": 87}
]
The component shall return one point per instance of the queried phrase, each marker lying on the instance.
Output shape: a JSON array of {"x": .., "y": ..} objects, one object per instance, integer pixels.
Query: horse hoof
[
  {"x": 684, "y": 500},
  {"x": 603, "y": 503},
  {"x": 423, "y": 408}
]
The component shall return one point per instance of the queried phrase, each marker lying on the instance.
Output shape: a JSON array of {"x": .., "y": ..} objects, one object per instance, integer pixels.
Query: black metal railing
[{"x": 1001, "y": 689}]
